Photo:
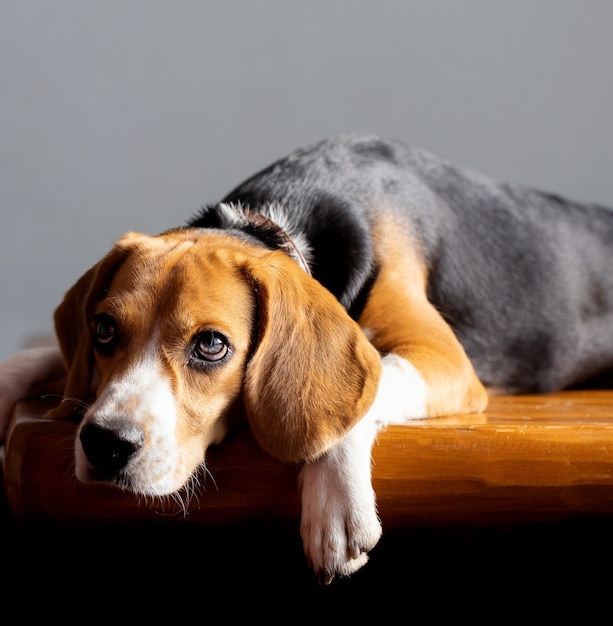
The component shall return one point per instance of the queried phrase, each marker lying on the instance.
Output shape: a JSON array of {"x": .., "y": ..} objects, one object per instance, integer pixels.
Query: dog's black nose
[{"x": 110, "y": 448}]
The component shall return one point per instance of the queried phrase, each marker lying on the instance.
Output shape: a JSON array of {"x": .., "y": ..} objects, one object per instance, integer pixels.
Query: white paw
[{"x": 339, "y": 524}]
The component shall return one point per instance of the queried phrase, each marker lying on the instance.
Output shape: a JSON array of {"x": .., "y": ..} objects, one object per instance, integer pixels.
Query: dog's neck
[{"x": 270, "y": 225}]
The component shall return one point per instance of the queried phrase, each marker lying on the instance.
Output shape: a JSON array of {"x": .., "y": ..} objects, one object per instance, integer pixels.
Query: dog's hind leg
[{"x": 420, "y": 350}]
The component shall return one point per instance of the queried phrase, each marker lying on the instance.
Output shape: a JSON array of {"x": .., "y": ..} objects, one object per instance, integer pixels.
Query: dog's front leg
[{"x": 339, "y": 524}]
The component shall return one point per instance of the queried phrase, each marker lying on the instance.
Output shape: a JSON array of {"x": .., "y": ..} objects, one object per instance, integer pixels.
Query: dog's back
[{"x": 523, "y": 277}]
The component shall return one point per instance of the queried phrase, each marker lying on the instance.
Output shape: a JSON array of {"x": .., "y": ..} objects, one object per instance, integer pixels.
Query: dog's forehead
[
  {"x": 187, "y": 278},
  {"x": 177, "y": 260}
]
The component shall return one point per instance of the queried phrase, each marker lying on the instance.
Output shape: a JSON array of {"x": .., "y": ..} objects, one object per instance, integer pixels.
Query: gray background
[{"x": 124, "y": 115}]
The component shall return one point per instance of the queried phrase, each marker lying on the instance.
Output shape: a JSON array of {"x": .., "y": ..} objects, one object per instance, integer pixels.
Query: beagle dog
[{"x": 354, "y": 284}]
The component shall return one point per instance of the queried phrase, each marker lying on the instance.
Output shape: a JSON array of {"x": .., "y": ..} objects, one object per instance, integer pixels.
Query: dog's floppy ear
[
  {"x": 313, "y": 373},
  {"x": 73, "y": 332}
]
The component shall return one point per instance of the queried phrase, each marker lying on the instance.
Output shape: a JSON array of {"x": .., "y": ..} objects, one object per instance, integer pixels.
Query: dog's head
[{"x": 178, "y": 330}]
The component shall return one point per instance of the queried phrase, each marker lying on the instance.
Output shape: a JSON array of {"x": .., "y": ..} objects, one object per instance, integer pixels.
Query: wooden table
[{"x": 528, "y": 458}]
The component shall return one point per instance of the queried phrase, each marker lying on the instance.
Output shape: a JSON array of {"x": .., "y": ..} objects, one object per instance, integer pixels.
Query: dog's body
[{"x": 352, "y": 285}]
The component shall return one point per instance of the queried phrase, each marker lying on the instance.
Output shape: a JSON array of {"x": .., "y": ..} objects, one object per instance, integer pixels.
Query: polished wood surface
[{"x": 528, "y": 458}]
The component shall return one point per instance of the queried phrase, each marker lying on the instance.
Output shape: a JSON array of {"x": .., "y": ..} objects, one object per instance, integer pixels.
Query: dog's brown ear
[
  {"x": 313, "y": 373},
  {"x": 74, "y": 334}
]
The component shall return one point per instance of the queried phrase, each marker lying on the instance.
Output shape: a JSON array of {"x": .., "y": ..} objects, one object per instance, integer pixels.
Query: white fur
[
  {"x": 144, "y": 396},
  {"x": 339, "y": 523},
  {"x": 234, "y": 214}
]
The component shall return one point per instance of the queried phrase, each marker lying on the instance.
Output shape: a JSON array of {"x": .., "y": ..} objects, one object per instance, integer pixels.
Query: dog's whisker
[
  {"x": 178, "y": 499},
  {"x": 192, "y": 488},
  {"x": 185, "y": 496},
  {"x": 77, "y": 401},
  {"x": 207, "y": 472}
]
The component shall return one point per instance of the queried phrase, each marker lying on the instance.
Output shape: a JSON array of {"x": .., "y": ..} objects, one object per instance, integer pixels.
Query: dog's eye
[
  {"x": 105, "y": 330},
  {"x": 210, "y": 346}
]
